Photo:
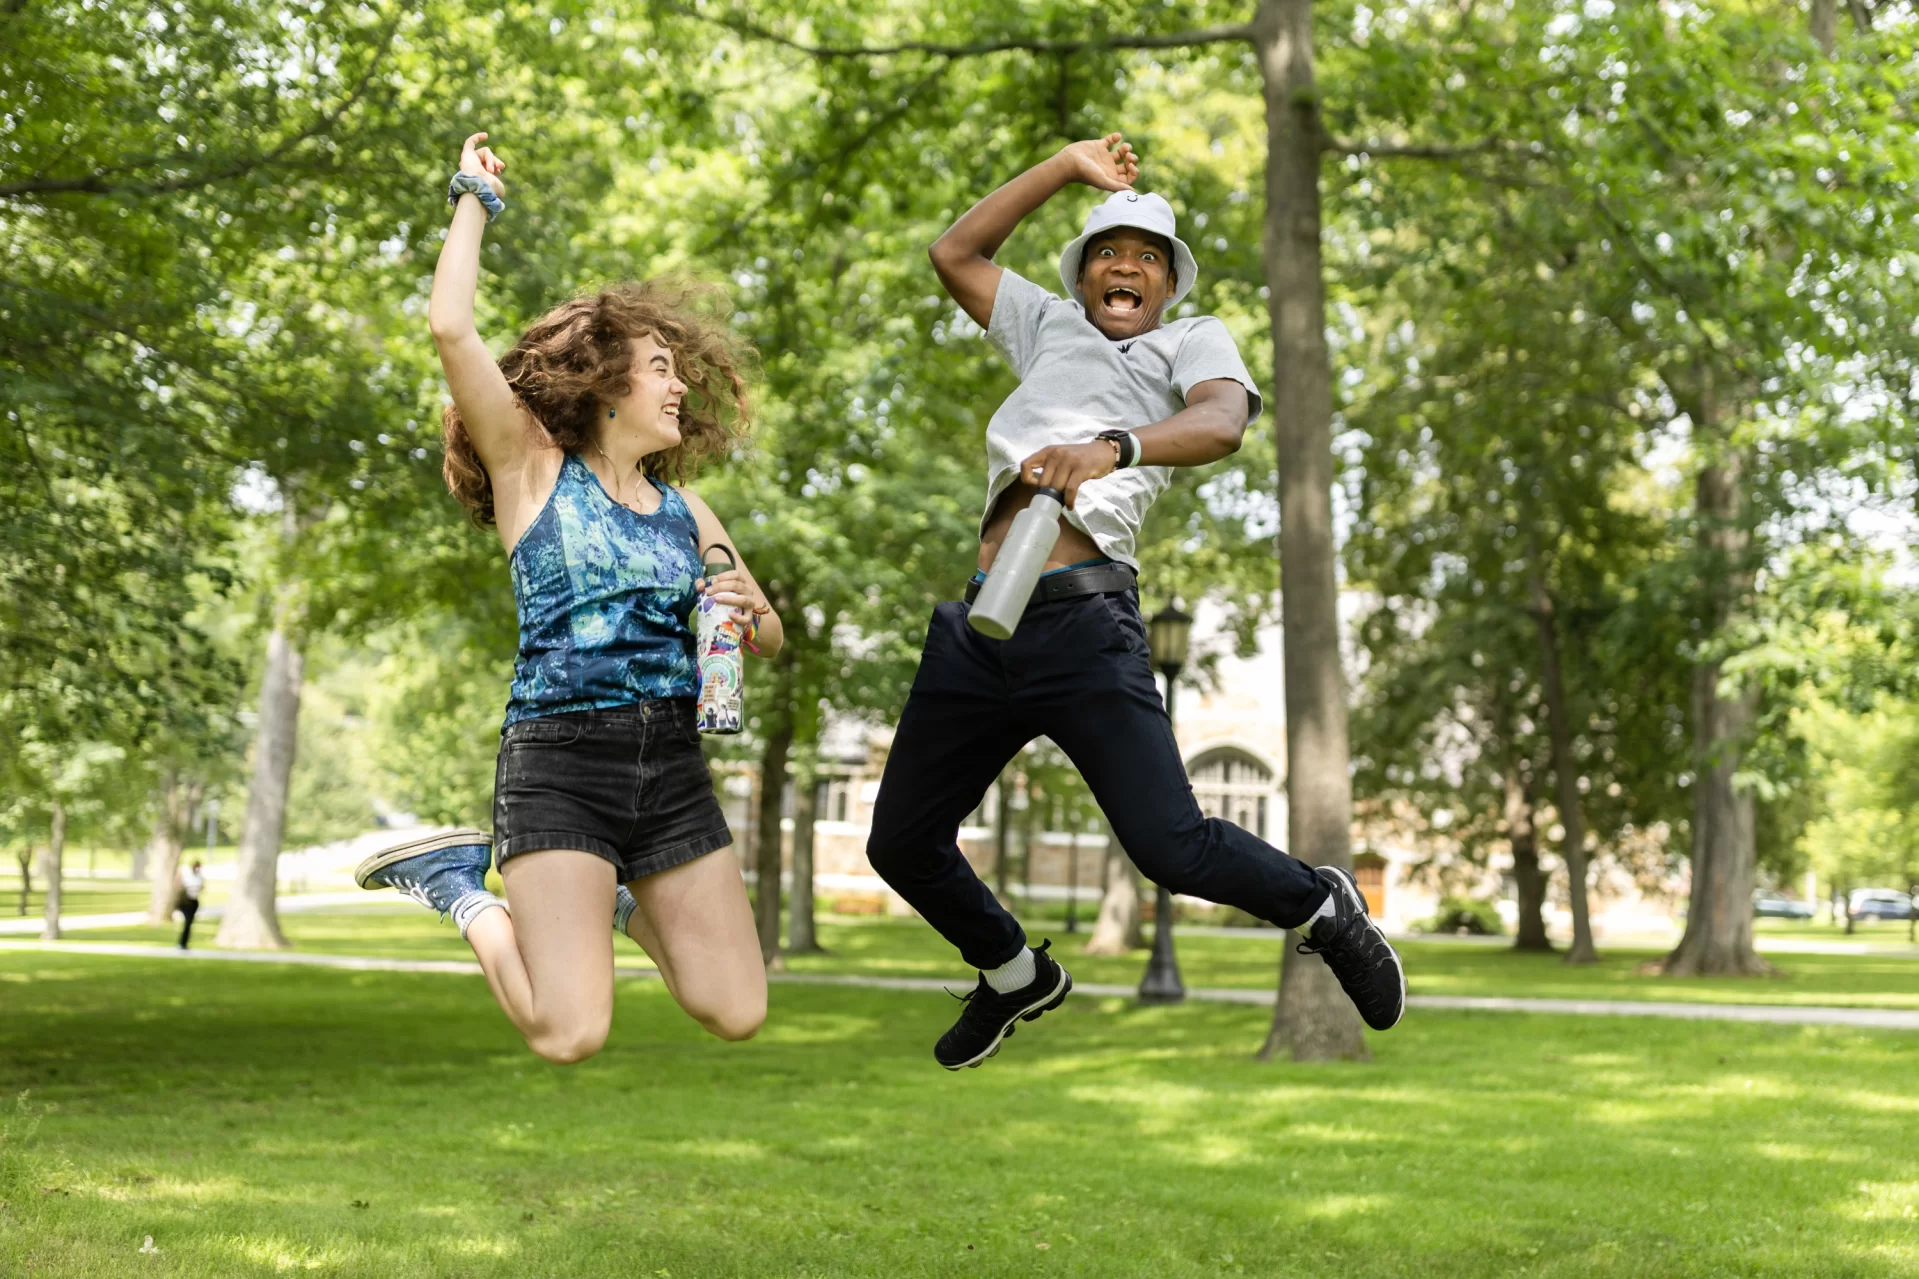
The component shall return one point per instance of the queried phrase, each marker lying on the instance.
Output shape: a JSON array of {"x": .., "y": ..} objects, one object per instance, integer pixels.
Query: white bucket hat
[{"x": 1144, "y": 212}]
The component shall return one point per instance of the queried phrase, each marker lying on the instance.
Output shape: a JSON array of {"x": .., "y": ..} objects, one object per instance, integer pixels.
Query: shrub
[{"x": 1464, "y": 915}]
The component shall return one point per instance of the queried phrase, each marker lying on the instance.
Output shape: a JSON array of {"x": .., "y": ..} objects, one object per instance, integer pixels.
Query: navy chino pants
[{"x": 1077, "y": 671}]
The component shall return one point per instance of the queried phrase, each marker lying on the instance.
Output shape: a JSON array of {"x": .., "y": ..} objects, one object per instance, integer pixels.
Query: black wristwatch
[{"x": 1128, "y": 447}]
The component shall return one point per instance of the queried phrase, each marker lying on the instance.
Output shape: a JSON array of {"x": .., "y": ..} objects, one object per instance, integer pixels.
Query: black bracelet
[{"x": 1126, "y": 444}]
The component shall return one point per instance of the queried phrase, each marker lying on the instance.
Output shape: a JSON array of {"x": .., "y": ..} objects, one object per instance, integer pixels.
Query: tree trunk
[
  {"x": 1028, "y": 818},
  {"x": 1072, "y": 880},
  {"x": 25, "y": 858},
  {"x": 172, "y": 820},
  {"x": 1825, "y": 25},
  {"x": 800, "y": 936},
  {"x": 1313, "y": 1019},
  {"x": 1527, "y": 877},
  {"x": 50, "y": 871},
  {"x": 163, "y": 866},
  {"x": 1118, "y": 928},
  {"x": 1004, "y": 814},
  {"x": 1565, "y": 768},
  {"x": 766, "y": 857},
  {"x": 251, "y": 921},
  {"x": 1718, "y": 936}
]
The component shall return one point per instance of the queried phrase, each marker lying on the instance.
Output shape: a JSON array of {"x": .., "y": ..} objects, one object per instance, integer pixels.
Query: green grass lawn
[
  {"x": 1880, "y": 933},
  {"x": 907, "y": 948},
  {"x": 270, "y": 1121},
  {"x": 78, "y": 896},
  {"x": 112, "y": 891}
]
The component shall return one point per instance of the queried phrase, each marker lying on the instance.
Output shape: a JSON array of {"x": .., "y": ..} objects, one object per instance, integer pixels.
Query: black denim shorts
[{"x": 629, "y": 784}]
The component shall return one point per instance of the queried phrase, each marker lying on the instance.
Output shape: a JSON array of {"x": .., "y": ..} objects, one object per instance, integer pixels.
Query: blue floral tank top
[{"x": 604, "y": 596}]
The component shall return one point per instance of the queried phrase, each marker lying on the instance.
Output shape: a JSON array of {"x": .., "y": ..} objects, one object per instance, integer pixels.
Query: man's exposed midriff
[{"x": 1073, "y": 547}]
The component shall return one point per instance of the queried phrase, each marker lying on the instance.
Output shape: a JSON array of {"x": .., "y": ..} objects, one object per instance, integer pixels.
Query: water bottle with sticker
[{"x": 720, "y": 632}]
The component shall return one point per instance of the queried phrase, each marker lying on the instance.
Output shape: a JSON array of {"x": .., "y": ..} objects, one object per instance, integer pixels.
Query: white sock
[
  {"x": 468, "y": 908},
  {"x": 1016, "y": 973},
  {"x": 1325, "y": 911}
]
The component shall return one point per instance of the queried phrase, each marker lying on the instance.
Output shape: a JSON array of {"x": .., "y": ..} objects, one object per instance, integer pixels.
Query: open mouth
[{"x": 1122, "y": 298}]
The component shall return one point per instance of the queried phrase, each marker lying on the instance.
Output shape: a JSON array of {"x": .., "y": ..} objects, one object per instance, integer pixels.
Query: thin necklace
[{"x": 618, "y": 488}]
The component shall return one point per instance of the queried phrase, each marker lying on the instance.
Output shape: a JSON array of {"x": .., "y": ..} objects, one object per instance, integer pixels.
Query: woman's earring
[{"x": 609, "y": 412}]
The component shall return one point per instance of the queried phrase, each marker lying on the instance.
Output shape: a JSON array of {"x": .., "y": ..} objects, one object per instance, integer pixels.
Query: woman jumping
[{"x": 603, "y": 807}]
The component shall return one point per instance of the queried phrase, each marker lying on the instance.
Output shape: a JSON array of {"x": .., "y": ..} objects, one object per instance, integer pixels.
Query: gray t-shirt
[{"x": 1075, "y": 382}]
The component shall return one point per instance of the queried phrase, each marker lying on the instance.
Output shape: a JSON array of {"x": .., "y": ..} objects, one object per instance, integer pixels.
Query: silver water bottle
[{"x": 1022, "y": 558}]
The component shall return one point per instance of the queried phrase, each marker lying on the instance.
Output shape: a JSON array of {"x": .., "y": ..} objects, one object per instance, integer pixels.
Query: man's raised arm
[{"x": 964, "y": 255}]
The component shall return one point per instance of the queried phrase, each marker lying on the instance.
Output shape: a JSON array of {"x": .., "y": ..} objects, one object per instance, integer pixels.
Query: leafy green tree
[
  {"x": 1710, "y": 193},
  {"x": 169, "y": 182},
  {"x": 1863, "y": 769},
  {"x": 1508, "y": 531}
]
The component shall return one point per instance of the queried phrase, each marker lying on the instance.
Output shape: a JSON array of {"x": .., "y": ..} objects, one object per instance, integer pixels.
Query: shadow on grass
[{"x": 260, "y": 1120}]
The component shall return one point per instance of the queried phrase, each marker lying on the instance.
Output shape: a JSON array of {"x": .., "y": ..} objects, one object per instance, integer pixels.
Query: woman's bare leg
[
  {"x": 550, "y": 963},
  {"x": 695, "y": 921}
]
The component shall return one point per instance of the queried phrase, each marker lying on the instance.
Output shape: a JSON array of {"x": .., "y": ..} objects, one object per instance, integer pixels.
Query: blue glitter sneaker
[{"x": 439, "y": 871}]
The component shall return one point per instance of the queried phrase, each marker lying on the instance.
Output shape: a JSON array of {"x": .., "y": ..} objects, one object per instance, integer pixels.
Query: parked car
[
  {"x": 1779, "y": 906},
  {"x": 1879, "y": 903}
]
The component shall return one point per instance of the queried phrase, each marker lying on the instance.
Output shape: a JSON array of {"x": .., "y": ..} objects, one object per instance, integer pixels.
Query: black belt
[{"x": 1094, "y": 579}]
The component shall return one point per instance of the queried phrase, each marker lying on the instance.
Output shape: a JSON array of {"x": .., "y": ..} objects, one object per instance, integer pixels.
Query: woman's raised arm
[{"x": 494, "y": 419}]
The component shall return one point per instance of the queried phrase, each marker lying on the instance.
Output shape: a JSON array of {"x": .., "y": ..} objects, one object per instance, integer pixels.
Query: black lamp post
[{"x": 1166, "y": 639}]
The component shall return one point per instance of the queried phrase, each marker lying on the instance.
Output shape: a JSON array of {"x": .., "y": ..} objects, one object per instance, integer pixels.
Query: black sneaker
[
  {"x": 991, "y": 1016},
  {"x": 1358, "y": 953}
]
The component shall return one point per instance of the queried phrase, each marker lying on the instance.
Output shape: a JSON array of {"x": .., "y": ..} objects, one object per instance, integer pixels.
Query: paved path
[
  {"x": 1894, "y": 946},
  {"x": 1778, "y": 1014}
]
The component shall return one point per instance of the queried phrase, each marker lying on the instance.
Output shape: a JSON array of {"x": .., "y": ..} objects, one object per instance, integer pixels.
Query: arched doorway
[
  {"x": 1230, "y": 784},
  {"x": 1369, "y": 869}
]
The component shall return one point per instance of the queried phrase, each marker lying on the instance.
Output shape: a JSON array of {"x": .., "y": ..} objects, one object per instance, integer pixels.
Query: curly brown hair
[{"x": 581, "y": 352}]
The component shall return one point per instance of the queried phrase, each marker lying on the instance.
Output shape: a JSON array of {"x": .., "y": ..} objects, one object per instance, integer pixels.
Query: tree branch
[
  {"x": 100, "y": 182},
  {"x": 739, "y": 24},
  {"x": 833, "y": 165},
  {"x": 1622, "y": 231},
  {"x": 33, "y": 460},
  {"x": 1411, "y": 150}
]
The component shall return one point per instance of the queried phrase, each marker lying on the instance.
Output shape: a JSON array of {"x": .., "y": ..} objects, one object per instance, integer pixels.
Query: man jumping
[{"x": 1110, "y": 398}]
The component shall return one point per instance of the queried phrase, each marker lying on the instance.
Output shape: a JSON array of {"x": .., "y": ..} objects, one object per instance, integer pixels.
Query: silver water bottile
[{"x": 1022, "y": 558}]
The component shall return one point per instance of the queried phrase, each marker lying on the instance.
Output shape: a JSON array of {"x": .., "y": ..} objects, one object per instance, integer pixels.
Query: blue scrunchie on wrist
[{"x": 474, "y": 184}]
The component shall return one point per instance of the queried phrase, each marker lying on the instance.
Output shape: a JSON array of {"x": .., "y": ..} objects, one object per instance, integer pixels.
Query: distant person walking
[
  {"x": 603, "y": 806},
  {"x": 192, "y": 882}
]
